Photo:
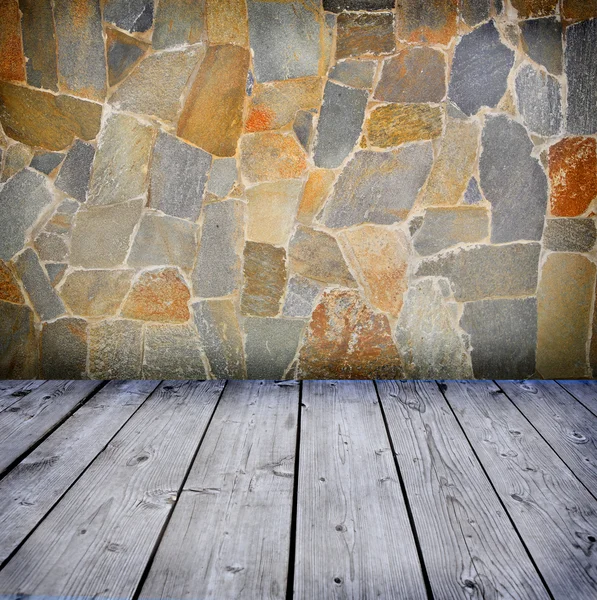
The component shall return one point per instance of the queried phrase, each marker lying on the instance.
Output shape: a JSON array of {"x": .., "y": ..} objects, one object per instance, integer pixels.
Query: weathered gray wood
[
  {"x": 567, "y": 426},
  {"x": 469, "y": 546},
  {"x": 12, "y": 390},
  {"x": 98, "y": 540},
  {"x": 30, "y": 490},
  {"x": 229, "y": 536},
  {"x": 34, "y": 415},
  {"x": 353, "y": 537},
  {"x": 583, "y": 390},
  {"x": 552, "y": 510}
]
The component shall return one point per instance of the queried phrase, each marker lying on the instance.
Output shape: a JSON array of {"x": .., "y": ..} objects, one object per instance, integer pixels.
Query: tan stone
[
  {"x": 12, "y": 58},
  {"x": 364, "y": 33},
  {"x": 9, "y": 287},
  {"x": 534, "y": 8},
  {"x": 227, "y": 22},
  {"x": 115, "y": 349},
  {"x": 396, "y": 124},
  {"x": 316, "y": 191},
  {"x": 17, "y": 157},
  {"x": 178, "y": 23},
  {"x": 432, "y": 22}
]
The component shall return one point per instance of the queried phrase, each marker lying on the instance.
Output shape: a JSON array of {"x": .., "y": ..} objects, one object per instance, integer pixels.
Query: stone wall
[{"x": 311, "y": 189}]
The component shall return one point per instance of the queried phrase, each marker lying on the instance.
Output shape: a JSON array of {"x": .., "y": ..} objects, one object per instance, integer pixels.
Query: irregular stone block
[
  {"x": 212, "y": 117},
  {"x": 143, "y": 91},
  {"x": 316, "y": 254},
  {"x": 96, "y": 293},
  {"x": 222, "y": 176},
  {"x": 445, "y": 227},
  {"x": 542, "y": 41},
  {"x": 55, "y": 272},
  {"x": 227, "y": 22},
  {"x": 570, "y": 235},
  {"x": 581, "y": 72},
  {"x": 47, "y": 120},
  {"x": 519, "y": 200},
  {"x": 579, "y": 10},
  {"x": 303, "y": 128},
  {"x": 9, "y": 287},
  {"x": 12, "y": 58},
  {"x": 51, "y": 246},
  {"x": 172, "y": 351},
  {"x": 432, "y": 22},
  {"x": 414, "y": 75},
  {"x": 64, "y": 349},
  {"x": 487, "y": 271},
  {"x": 22, "y": 199},
  {"x": 364, "y": 33},
  {"x": 539, "y": 101},
  {"x": 340, "y": 5},
  {"x": 18, "y": 342},
  {"x": 340, "y": 123},
  {"x": 534, "y": 8},
  {"x": 164, "y": 240},
  {"x": 123, "y": 52},
  {"x": 115, "y": 349},
  {"x": 285, "y": 39},
  {"x": 271, "y": 346},
  {"x": 76, "y": 170},
  {"x": 300, "y": 296},
  {"x": 472, "y": 195},
  {"x": 474, "y": 12},
  {"x": 158, "y": 295},
  {"x": 378, "y": 187},
  {"x": 573, "y": 176},
  {"x": 121, "y": 161},
  {"x": 46, "y": 162},
  {"x": 395, "y": 124},
  {"x": 316, "y": 191},
  {"x": 347, "y": 340},
  {"x": 270, "y": 156},
  {"x": 428, "y": 337},
  {"x": 503, "y": 337},
  {"x": 355, "y": 73},
  {"x": 564, "y": 301},
  {"x": 221, "y": 337},
  {"x": 16, "y": 157},
  {"x": 132, "y": 15},
  {"x": 271, "y": 210},
  {"x": 62, "y": 219},
  {"x": 102, "y": 235},
  {"x": 264, "y": 270},
  {"x": 218, "y": 267},
  {"x": 178, "y": 23},
  {"x": 480, "y": 70}
]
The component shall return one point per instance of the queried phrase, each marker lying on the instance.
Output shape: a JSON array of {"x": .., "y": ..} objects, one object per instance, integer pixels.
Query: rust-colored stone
[
  {"x": 579, "y": 10},
  {"x": 432, "y": 22},
  {"x": 9, "y": 288},
  {"x": 227, "y": 22},
  {"x": 160, "y": 295},
  {"x": 573, "y": 176},
  {"x": 12, "y": 58},
  {"x": 347, "y": 340},
  {"x": 365, "y": 33},
  {"x": 535, "y": 8},
  {"x": 212, "y": 117},
  {"x": 316, "y": 191}
]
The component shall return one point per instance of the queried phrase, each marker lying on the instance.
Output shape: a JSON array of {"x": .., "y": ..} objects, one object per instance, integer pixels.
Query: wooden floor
[{"x": 325, "y": 489}]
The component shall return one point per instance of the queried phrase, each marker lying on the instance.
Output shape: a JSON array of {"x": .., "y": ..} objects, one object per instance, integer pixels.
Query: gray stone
[
  {"x": 480, "y": 70},
  {"x": 218, "y": 268},
  {"x": 378, "y": 187},
  {"x": 178, "y": 22},
  {"x": 512, "y": 180},
  {"x": 75, "y": 172},
  {"x": 18, "y": 342},
  {"x": 581, "y": 71},
  {"x": 22, "y": 199},
  {"x": 115, "y": 349},
  {"x": 45, "y": 300},
  {"x": 481, "y": 272},
  {"x": 303, "y": 128},
  {"x": 300, "y": 296},
  {"x": 340, "y": 123},
  {"x": 46, "y": 162},
  {"x": 222, "y": 176},
  {"x": 178, "y": 177},
  {"x": 172, "y": 352},
  {"x": 355, "y": 73},
  {"x": 164, "y": 241},
  {"x": 132, "y": 15},
  {"x": 55, "y": 272},
  {"x": 476, "y": 11},
  {"x": 285, "y": 40},
  {"x": 503, "y": 337},
  {"x": 122, "y": 53},
  {"x": 542, "y": 41},
  {"x": 428, "y": 336},
  {"x": 539, "y": 101},
  {"x": 570, "y": 235},
  {"x": 221, "y": 337},
  {"x": 51, "y": 246},
  {"x": 64, "y": 349},
  {"x": 340, "y": 5},
  {"x": 271, "y": 346},
  {"x": 472, "y": 195}
]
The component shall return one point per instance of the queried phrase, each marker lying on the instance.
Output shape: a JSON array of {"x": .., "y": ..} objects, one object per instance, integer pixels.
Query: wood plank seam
[{"x": 577, "y": 399}]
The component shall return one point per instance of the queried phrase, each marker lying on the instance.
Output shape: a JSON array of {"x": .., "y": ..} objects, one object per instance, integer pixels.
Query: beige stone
[
  {"x": 227, "y": 22},
  {"x": 115, "y": 349}
]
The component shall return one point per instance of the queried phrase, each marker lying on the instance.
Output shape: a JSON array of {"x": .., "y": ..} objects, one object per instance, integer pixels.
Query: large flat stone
[
  {"x": 480, "y": 70},
  {"x": 355, "y": 73},
  {"x": 123, "y": 52},
  {"x": 503, "y": 337},
  {"x": 315, "y": 193},
  {"x": 481, "y": 272},
  {"x": 9, "y": 286},
  {"x": 300, "y": 296},
  {"x": 350, "y": 5},
  {"x": 570, "y": 235},
  {"x": 75, "y": 172},
  {"x": 378, "y": 187},
  {"x": 64, "y": 349},
  {"x": 519, "y": 200},
  {"x": 340, "y": 123},
  {"x": 178, "y": 22},
  {"x": 427, "y": 22},
  {"x": 18, "y": 342},
  {"x": 227, "y": 22},
  {"x": 115, "y": 349},
  {"x": 364, "y": 34},
  {"x": 132, "y": 15},
  {"x": 12, "y": 58},
  {"x": 542, "y": 41}
]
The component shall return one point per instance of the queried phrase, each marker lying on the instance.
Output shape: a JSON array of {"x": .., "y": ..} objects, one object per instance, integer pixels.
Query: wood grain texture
[
  {"x": 229, "y": 536},
  {"x": 98, "y": 540},
  {"x": 34, "y": 415},
  {"x": 353, "y": 536},
  {"x": 584, "y": 390},
  {"x": 30, "y": 490},
  {"x": 551, "y": 509},
  {"x": 12, "y": 390},
  {"x": 470, "y": 548}
]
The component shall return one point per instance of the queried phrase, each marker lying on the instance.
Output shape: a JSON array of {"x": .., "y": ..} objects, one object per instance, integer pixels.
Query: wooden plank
[
  {"x": 552, "y": 510},
  {"x": 35, "y": 415},
  {"x": 229, "y": 536},
  {"x": 98, "y": 539},
  {"x": 584, "y": 390},
  {"x": 30, "y": 490},
  {"x": 469, "y": 546},
  {"x": 12, "y": 390},
  {"x": 353, "y": 536},
  {"x": 567, "y": 426}
]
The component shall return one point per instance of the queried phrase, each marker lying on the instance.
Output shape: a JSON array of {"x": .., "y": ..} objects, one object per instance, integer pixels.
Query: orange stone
[
  {"x": 431, "y": 22},
  {"x": 9, "y": 288},
  {"x": 579, "y": 10},
  {"x": 535, "y": 8},
  {"x": 347, "y": 340},
  {"x": 160, "y": 295},
  {"x": 212, "y": 117},
  {"x": 573, "y": 176},
  {"x": 12, "y": 58},
  {"x": 316, "y": 191},
  {"x": 227, "y": 22}
]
